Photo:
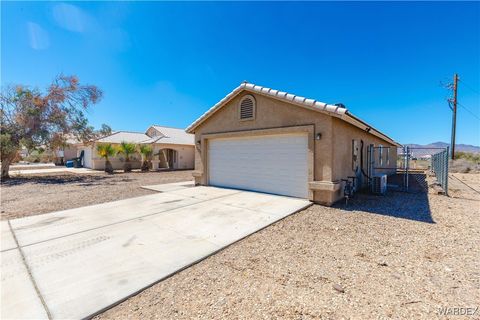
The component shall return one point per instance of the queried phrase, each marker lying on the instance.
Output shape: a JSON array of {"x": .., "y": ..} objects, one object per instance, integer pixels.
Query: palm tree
[
  {"x": 146, "y": 151},
  {"x": 127, "y": 149},
  {"x": 106, "y": 150}
]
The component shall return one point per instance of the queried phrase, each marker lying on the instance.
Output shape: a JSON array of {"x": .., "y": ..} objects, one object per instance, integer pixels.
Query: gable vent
[{"x": 247, "y": 108}]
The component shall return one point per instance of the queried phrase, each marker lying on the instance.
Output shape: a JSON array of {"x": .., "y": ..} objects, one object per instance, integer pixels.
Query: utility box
[{"x": 379, "y": 184}]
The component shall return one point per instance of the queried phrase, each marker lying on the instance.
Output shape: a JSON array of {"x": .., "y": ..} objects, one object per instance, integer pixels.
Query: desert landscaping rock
[
  {"x": 339, "y": 288},
  {"x": 37, "y": 194},
  {"x": 287, "y": 271},
  {"x": 399, "y": 256}
]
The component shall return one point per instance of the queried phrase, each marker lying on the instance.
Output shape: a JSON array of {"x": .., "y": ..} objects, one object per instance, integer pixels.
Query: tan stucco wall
[
  {"x": 185, "y": 159},
  {"x": 69, "y": 153},
  {"x": 186, "y": 153},
  {"x": 272, "y": 113},
  {"x": 343, "y": 134},
  {"x": 332, "y": 153},
  {"x": 152, "y": 132},
  {"x": 117, "y": 164},
  {"x": 98, "y": 163}
]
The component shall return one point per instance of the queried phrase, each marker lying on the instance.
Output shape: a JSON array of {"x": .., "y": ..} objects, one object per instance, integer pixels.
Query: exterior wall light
[{"x": 318, "y": 136}]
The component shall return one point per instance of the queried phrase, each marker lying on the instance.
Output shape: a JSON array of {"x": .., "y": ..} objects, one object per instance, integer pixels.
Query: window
[
  {"x": 387, "y": 155},
  {"x": 247, "y": 108}
]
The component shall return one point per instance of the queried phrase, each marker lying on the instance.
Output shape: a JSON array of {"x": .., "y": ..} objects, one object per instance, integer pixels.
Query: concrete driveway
[{"x": 75, "y": 263}]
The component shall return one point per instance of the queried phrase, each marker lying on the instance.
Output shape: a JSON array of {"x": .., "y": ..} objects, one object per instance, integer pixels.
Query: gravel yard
[
  {"x": 399, "y": 256},
  {"x": 465, "y": 186},
  {"x": 36, "y": 194}
]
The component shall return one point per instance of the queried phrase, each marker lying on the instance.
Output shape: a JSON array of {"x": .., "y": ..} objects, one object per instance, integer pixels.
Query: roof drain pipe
[{"x": 361, "y": 161}]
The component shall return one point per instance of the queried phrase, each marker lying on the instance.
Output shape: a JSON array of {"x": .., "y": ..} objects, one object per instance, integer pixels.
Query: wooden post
[{"x": 454, "y": 114}]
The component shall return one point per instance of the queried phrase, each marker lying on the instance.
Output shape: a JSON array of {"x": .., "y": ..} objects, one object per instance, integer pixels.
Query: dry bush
[
  {"x": 47, "y": 157},
  {"x": 463, "y": 166}
]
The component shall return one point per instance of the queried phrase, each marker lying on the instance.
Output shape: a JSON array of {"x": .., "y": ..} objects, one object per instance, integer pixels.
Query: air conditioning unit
[{"x": 379, "y": 184}]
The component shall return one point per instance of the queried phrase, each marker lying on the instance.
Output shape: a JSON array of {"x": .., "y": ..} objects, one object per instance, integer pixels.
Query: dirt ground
[
  {"x": 36, "y": 194},
  {"x": 400, "y": 256},
  {"x": 464, "y": 186}
]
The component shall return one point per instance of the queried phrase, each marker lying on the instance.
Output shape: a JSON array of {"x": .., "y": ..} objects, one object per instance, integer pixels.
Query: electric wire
[
  {"x": 469, "y": 87},
  {"x": 471, "y": 112}
]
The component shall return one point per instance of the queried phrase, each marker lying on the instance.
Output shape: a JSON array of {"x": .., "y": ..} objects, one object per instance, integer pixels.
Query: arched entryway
[{"x": 168, "y": 158}]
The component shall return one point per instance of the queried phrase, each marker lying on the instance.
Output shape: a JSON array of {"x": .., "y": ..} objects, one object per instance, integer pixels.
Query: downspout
[{"x": 361, "y": 161}]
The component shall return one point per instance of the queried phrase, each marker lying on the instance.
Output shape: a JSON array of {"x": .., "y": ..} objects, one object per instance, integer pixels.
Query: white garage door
[{"x": 273, "y": 164}]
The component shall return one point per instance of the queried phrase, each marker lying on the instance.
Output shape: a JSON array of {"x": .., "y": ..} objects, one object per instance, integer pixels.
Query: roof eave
[
  {"x": 191, "y": 128},
  {"x": 303, "y": 102},
  {"x": 331, "y": 110},
  {"x": 359, "y": 123}
]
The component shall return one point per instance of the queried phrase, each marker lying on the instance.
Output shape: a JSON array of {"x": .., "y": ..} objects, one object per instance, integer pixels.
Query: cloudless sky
[{"x": 168, "y": 62}]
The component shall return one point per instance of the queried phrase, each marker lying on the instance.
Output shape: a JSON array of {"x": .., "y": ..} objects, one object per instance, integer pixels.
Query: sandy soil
[
  {"x": 464, "y": 186},
  {"x": 400, "y": 256},
  {"x": 36, "y": 194}
]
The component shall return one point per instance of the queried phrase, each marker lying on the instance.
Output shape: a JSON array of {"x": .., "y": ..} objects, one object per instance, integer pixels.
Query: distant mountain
[{"x": 458, "y": 147}]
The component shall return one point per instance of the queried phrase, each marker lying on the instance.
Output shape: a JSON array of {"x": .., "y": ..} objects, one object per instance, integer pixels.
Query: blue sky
[{"x": 167, "y": 63}]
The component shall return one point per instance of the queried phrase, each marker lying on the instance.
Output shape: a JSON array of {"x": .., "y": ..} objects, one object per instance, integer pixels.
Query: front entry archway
[{"x": 168, "y": 159}]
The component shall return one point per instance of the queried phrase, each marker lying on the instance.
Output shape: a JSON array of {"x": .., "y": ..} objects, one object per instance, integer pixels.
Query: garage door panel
[{"x": 274, "y": 164}]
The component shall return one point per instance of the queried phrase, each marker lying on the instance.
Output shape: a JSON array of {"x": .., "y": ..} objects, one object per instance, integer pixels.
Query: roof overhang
[{"x": 311, "y": 104}]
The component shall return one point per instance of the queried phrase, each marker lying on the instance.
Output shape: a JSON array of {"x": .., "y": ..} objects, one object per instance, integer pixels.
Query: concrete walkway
[{"x": 75, "y": 263}]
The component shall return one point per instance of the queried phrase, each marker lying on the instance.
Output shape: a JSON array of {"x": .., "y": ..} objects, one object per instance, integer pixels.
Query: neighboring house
[
  {"x": 265, "y": 140},
  {"x": 68, "y": 152},
  {"x": 23, "y": 153},
  {"x": 173, "y": 149}
]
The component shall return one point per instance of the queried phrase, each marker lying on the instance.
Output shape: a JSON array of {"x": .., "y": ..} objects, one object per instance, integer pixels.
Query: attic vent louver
[{"x": 247, "y": 108}]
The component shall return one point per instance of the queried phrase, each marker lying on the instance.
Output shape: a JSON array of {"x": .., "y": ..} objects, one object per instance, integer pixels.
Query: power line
[
  {"x": 471, "y": 112},
  {"x": 469, "y": 87}
]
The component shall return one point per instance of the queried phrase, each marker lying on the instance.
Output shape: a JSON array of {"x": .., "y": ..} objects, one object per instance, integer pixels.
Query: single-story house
[
  {"x": 265, "y": 140},
  {"x": 172, "y": 148},
  {"x": 68, "y": 151}
]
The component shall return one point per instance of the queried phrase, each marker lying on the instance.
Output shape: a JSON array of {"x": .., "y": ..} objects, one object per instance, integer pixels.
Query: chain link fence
[
  {"x": 439, "y": 167},
  {"x": 413, "y": 167}
]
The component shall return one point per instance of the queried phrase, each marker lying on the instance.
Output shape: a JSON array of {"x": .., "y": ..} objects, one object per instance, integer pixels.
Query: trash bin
[{"x": 77, "y": 163}]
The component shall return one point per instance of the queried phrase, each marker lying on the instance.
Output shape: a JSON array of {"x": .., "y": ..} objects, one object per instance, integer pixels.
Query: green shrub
[{"x": 473, "y": 157}]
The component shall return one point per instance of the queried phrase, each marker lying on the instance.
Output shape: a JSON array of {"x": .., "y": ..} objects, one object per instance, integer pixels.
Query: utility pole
[{"x": 454, "y": 114}]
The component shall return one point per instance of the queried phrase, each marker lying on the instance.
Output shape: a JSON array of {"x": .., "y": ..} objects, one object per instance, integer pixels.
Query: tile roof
[
  {"x": 333, "y": 110},
  {"x": 320, "y": 106},
  {"x": 174, "y": 135},
  {"x": 167, "y": 135},
  {"x": 119, "y": 136}
]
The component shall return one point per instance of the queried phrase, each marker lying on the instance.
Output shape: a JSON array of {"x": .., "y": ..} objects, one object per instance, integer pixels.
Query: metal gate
[{"x": 412, "y": 167}]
